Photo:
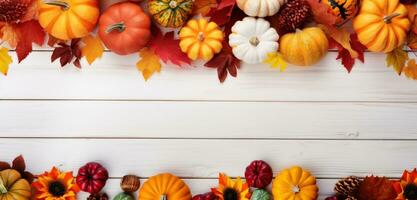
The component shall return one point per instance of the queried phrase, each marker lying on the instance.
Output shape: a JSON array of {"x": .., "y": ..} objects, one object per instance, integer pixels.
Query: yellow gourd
[
  {"x": 13, "y": 187},
  {"x": 294, "y": 183},
  {"x": 164, "y": 187}
]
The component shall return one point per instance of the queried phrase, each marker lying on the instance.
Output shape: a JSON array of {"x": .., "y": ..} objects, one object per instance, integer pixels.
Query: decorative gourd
[
  {"x": 201, "y": 39},
  {"x": 92, "y": 177},
  {"x": 344, "y": 10},
  {"x": 164, "y": 186},
  {"x": 294, "y": 183},
  {"x": 252, "y": 39},
  {"x": 123, "y": 196},
  {"x": 124, "y": 28},
  {"x": 258, "y": 174},
  {"x": 170, "y": 13},
  {"x": 68, "y": 19},
  {"x": 260, "y": 8},
  {"x": 382, "y": 25},
  {"x": 304, "y": 47},
  {"x": 13, "y": 187}
]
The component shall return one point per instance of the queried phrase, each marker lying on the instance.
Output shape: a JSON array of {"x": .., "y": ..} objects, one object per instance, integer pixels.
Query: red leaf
[
  {"x": 357, "y": 46},
  {"x": 66, "y": 53},
  {"x": 168, "y": 48},
  {"x": 222, "y": 14},
  {"x": 343, "y": 54},
  {"x": 19, "y": 164},
  {"x": 225, "y": 63},
  {"x": 28, "y": 176},
  {"x": 29, "y": 32},
  {"x": 4, "y": 165}
]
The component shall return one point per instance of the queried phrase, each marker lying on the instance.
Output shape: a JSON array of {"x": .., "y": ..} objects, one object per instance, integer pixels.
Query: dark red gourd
[
  {"x": 92, "y": 177},
  {"x": 258, "y": 174}
]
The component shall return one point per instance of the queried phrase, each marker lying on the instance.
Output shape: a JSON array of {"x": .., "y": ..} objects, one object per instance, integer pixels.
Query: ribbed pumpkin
[
  {"x": 68, "y": 19},
  {"x": 304, "y": 47},
  {"x": 164, "y": 187},
  {"x": 260, "y": 8},
  {"x": 13, "y": 187},
  {"x": 170, "y": 13},
  {"x": 382, "y": 25},
  {"x": 344, "y": 10},
  {"x": 294, "y": 183}
]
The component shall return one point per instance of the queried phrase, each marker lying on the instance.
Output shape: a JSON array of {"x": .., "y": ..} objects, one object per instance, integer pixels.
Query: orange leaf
[
  {"x": 322, "y": 13},
  {"x": 412, "y": 16},
  {"x": 341, "y": 36},
  {"x": 412, "y": 41},
  {"x": 92, "y": 49},
  {"x": 411, "y": 69},
  {"x": 10, "y": 35},
  {"x": 149, "y": 64},
  {"x": 5, "y": 60},
  {"x": 397, "y": 59},
  {"x": 204, "y": 7}
]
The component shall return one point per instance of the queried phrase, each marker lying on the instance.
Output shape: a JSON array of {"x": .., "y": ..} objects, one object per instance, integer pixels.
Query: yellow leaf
[
  {"x": 149, "y": 63},
  {"x": 10, "y": 35},
  {"x": 5, "y": 60},
  {"x": 397, "y": 59},
  {"x": 341, "y": 36},
  {"x": 203, "y": 7},
  {"x": 93, "y": 48},
  {"x": 276, "y": 60},
  {"x": 411, "y": 69}
]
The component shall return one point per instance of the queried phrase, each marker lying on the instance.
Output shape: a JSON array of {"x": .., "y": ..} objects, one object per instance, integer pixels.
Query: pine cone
[
  {"x": 348, "y": 187},
  {"x": 293, "y": 15},
  {"x": 100, "y": 196},
  {"x": 12, "y": 10}
]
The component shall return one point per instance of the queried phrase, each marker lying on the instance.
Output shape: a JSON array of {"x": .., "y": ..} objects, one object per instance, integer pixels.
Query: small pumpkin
[
  {"x": 123, "y": 196},
  {"x": 13, "y": 187},
  {"x": 68, "y": 19},
  {"x": 304, "y": 47},
  {"x": 170, "y": 13},
  {"x": 124, "y": 28},
  {"x": 344, "y": 10},
  {"x": 92, "y": 177},
  {"x": 252, "y": 39},
  {"x": 294, "y": 183},
  {"x": 260, "y": 8},
  {"x": 164, "y": 186},
  {"x": 201, "y": 39},
  {"x": 382, "y": 25}
]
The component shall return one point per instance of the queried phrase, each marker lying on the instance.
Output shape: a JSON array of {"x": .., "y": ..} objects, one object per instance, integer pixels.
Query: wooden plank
[
  {"x": 206, "y": 158},
  {"x": 115, "y": 77},
  {"x": 151, "y": 119}
]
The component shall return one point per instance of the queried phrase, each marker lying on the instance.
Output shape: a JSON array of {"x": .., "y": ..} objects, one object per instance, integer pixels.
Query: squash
[
  {"x": 382, "y": 25},
  {"x": 260, "y": 8},
  {"x": 294, "y": 183},
  {"x": 304, "y": 47},
  {"x": 344, "y": 10},
  {"x": 164, "y": 186},
  {"x": 252, "y": 39},
  {"x": 170, "y": 13},
  {"x": 13, "y": 187},
  {"x": 201, "y": 39},
  {"x": 68, "y": 19},
  {"x": 124, "y": 28}
]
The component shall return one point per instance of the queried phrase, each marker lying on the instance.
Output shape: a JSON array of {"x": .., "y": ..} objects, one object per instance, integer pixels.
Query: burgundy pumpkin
[
  {"x": 92, "y": 177},
  {"x": 206, "y": 196},
  {"x": 258, "y": 174}
]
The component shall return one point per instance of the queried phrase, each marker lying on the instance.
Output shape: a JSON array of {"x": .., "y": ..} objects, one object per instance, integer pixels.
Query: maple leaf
[
  {"x": 19, "y": 165},
  {"x": 10, "y": 35},
  {"x": 222, "y": 14},
  {"x": 168, "y": 48},
  {"x": 376, "y": 188},
  {"x": 29, "y": 32},
  {"x": 341, "y": 36},
  {"x": 412, "y": 16},
  {"x": 149, "y": 63},
  {"x": 347, "y": 60},
  {"x": 397, "y": 59},
  {"x": 275, "y": 60},
  {"x": 225, "y": 63},
  {"x": 66, "y": 53},
  {"x": 322, "y": 13},
  {"x": 53, "y": 40},
  {"x": 5, "y": 60},
  {"x": 204, "y": 7},
  {"x": 93, "y": 48},
  {"x": 410, "y": 70}
]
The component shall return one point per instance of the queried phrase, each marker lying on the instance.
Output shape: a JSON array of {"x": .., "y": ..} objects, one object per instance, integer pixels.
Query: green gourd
[{"x": 123, "y": 196}]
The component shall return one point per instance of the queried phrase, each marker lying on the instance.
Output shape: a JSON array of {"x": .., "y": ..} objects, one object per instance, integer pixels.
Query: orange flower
[
  {"x": 231, "y": 190},
  {"x": 406, "y": 187},
  {"x": 55, "y": 185}
]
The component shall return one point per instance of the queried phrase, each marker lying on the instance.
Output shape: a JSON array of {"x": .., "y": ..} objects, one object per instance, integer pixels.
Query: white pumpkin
[
  {"x": 252, "y": 39},
  {"x": 260, "y": 8}
]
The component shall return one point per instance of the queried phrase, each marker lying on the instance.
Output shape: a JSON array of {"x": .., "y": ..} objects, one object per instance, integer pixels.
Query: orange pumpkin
[
  {"x": 68, "y": 19},
  {"x": 164, "y": 186},
  {"x": 124, "y": 28}
]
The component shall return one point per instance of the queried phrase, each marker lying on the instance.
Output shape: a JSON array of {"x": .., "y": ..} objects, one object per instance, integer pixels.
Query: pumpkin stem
[
  {"x": 200, "y": 36},
  {"x": 3, "y": 189},
  {"x": 120, "y": 27},
  {"x": 163, "y": 197},
  {"x": 63, "y": 5},
  {"x": 254, "y": 41},
  {"x": 295, "y": 189},
  {"x": 388, "y": 18},
  {"x": 173, "y": 4}
]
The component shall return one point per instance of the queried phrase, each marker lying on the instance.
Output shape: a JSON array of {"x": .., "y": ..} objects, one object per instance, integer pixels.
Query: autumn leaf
[
  {"x": 397, "y": 59},
  {"x": 412, "y": 16},
  {"x": 19, "y": 165},
  {"x": 5, "y": 60},
  {"x": 412, "y": 41},
  {"x": 275, "y": 60},
  {"x": 31, "y": 12},
  {"x": 343, "y": 54},
  {"x": 10, "y": 35},
  {"x": 225, "y": 63},
  {"x": 341, "y": 36},
  {"x": 93, "y": 48},
  {"x": 149, "y": 63},
  {"x": 204, "y": 7},
  {"x": 29, "y": 32},
  {"x": 222, "y": 14},
  {"x": 410, "y": 70},
  {"x": 376, "y": 188},
  {"x": 322, "y": 13},
  {"x": 67, "y": 53}
]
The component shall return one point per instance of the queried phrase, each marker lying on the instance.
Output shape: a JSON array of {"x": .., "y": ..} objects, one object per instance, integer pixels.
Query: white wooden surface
[{"x": 185, "y": 122}]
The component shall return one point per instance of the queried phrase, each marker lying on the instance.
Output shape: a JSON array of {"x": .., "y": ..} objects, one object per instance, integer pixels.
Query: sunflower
[
  {"x": 406, "y": 187},
  {"x": 55, "y": 185},
  {"x": 231, "y": 190}
]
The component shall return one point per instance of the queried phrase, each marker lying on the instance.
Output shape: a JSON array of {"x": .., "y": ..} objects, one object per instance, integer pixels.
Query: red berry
[
  {"x": 258, "y": 174},
  {"x": 92, "y": 177}
]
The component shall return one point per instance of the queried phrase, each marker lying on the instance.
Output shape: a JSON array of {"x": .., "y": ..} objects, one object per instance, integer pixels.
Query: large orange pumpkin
[
  {"x": 164, "y": 187},
  {"x": 124, "y": 28},
  {"x": 68, "y": 19}
]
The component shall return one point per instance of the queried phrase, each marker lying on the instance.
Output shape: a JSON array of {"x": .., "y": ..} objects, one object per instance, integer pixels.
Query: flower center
[
  {"x": 295, "y": 189},
  {"x": 230, "y": 194},
  {"x": 173, "y": 4},
  {"x": 254, "y": 41},
  {"x": 57, "y": 189},
  {"x": 410, "y": 192}
]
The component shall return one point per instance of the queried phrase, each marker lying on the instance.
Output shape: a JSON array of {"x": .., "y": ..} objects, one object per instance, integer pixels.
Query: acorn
[
  {"x": 293, "y": 15},
  {"x": 130, "y": 183},
  {"x": 11, "y": 11}
]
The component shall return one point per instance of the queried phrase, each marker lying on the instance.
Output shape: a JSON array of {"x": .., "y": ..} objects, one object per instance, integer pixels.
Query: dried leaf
[
  {"x": 4, "y": 165},
  {"x": 225, "y": 63},
  {"x": 93, "y": 48},
  {"x": 28, "y": 176},
  {"x": 412, "y": 16},
  {"x": 410, "y": 70},
  {"x": 376, "y": 188},
  {"x": 5, "y": 60},
  {"x": 29, "y": 32},
  {"x": 347, "y": 60},
  {"x": 412, "y": 41},
  {"x": 397, "y": 59},
  {"x": 341, "y": 36},
  {"x": 322, "y": 13},
  {"x": 149, "y": 63},
  {"x": 203, "y": 7},
  {"x": 222, "y": 14},
  {"x": 66, "y": 53},
  {"x": 19, "y": 164},
  {"x": 10, "y": 35},
  {"x": 275, "y": 60}
]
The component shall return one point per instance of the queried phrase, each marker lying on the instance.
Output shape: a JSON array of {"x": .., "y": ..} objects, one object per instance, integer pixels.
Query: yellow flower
[
  {"x": 55, "y": 185},
  {"x": 229, "y": 189}
]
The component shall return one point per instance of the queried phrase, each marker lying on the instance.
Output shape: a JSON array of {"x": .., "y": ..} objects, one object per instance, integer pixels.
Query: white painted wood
[
  {"x": 115, "y": 77},
  {"x": 208, "y": 119}
]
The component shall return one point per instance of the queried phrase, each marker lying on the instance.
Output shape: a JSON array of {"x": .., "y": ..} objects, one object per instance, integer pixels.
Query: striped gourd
[{"x": 170, "y": 13}]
